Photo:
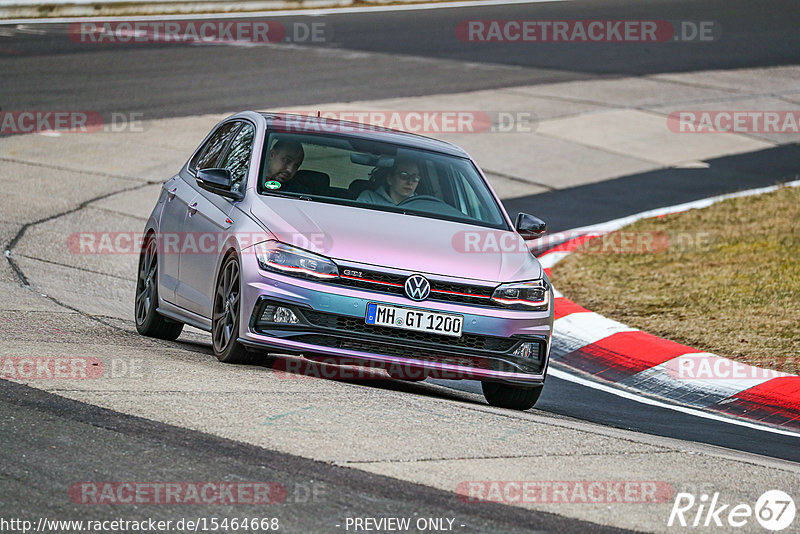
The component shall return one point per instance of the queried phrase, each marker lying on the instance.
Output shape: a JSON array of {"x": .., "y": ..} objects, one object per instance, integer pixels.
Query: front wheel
[
  {"x": 512, "y": 397},
  {"x": 225, "y": 317},
  {"x": 148, "y": 321}
]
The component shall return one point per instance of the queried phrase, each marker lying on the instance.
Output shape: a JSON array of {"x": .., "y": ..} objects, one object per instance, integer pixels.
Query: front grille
[
  {"x": 352, "y": 333},
  {"x": 440, "y": 291},
  {"x": 344, "y": 324}
]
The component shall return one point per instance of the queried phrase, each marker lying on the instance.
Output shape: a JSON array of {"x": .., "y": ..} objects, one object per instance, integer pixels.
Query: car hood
[{"x": 395, "y": 240}]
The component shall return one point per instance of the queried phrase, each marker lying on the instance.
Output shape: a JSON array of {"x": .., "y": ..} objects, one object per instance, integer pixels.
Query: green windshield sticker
[{"x": 272, "y": 185}]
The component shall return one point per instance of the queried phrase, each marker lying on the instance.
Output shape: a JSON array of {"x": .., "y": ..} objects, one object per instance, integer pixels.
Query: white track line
[
  {"x": 283, "y": 13},
  {"x": 563, "y": 375},
  {"x": 616, "y": 224},
  {"x": 610, "y": 226}
]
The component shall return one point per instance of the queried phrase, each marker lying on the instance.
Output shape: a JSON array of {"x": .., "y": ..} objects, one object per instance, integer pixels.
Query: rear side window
[
  {"x": 208, "y": 155},
  {"x": 238, "y": 158}
]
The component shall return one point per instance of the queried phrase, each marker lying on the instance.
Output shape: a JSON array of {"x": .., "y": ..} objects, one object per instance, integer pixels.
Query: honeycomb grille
[{"x": 357, "y": 325}]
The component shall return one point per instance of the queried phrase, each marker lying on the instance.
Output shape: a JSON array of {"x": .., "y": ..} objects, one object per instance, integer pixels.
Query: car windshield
[{"x": 379, "y": 176}]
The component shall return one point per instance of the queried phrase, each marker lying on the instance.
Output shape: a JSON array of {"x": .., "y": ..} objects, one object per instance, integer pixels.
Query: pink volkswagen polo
[{"x": 306, "y": 236}]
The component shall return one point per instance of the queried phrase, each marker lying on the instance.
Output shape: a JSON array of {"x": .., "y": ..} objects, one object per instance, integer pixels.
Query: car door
[
  {"x": 179, "y": 193},
  {"x": 208, "y": 222}
]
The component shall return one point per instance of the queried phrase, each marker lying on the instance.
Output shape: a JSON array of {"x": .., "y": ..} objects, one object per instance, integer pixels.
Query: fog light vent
[
  {"x": 278, "y": 314},
  {"x": 528, "y": 351}
]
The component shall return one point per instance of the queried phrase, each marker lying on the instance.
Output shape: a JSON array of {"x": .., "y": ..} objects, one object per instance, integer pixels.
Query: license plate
[{"x": 414, "y": 319}]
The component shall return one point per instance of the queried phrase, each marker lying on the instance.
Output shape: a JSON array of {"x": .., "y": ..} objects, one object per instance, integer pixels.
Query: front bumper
[{"x": 331, "y": 323}]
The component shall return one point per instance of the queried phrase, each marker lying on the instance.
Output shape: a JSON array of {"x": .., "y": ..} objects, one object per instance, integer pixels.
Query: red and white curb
[{"x": 636, "y": 361}]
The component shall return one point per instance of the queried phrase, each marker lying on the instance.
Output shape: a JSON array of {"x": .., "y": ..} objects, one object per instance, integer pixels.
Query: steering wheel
[{"x": 414, "y": 198}]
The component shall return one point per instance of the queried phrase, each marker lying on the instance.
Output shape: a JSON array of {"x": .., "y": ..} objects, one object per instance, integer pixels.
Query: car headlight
[
  {"x": 276, "y": 256},
  {"x": 533, "y": 295}
]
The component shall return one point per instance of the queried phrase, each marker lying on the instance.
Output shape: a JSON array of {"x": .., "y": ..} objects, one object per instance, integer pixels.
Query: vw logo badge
[{"x": 417, "y": 287}]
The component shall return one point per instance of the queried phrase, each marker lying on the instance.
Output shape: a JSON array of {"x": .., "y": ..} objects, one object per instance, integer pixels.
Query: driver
[
  {"x": 400, "y": 183},
  {"x": 284, "y": 160}
]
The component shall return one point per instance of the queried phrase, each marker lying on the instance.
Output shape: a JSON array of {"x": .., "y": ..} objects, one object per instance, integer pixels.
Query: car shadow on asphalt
[
  {"x": 299, "y": 368},
  {"x": 293, "y": 367}
]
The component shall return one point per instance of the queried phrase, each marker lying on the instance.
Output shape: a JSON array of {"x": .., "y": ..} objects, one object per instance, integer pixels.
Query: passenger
[
  {"x": 284, "y": 160},
  {"x": 399, "y": 184}
]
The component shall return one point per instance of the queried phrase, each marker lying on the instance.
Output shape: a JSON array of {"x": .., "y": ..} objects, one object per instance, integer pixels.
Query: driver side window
[
  {"x": 237, "y": 159},
  {"x": 208, "y": 155}
]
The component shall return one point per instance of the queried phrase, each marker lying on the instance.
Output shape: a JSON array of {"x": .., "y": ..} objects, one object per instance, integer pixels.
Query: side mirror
[
  {"x": 218, "y": 181},
  {"x": 530, "y": 227}
]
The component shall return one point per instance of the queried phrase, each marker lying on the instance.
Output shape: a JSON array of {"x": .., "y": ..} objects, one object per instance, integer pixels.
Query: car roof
[{"x": 312, "y": 125}]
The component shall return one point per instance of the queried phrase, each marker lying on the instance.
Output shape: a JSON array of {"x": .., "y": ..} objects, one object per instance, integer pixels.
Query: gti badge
[{"x": 417, "y": 287}]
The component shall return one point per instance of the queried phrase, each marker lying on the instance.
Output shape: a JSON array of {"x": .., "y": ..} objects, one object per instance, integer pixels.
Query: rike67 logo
[{"x": 774, "y": 510}]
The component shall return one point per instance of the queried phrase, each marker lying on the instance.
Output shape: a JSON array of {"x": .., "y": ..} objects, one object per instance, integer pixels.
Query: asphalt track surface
[
  {"x": 394, "y": 54},
  {"x": 573, "y": 400},
  {"x": 58, "y": 442},
  {"x": 575, "y": 207}
]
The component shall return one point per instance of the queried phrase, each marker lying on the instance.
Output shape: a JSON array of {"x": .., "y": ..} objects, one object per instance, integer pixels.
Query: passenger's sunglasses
[{"x": 408, "y": 177}]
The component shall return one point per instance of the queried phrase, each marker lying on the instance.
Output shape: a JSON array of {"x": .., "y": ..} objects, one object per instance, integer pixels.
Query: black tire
[
  {"x": 226, "y": 315},
  {"x": 512, "y": 397},
  {"x": 148, "y": 321}
]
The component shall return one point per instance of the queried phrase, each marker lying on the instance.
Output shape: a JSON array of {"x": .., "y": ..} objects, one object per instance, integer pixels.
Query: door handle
[
  {"x": 192, "y": 208},
  {"x": 171, "y": 193}
]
